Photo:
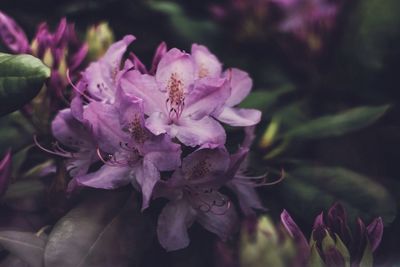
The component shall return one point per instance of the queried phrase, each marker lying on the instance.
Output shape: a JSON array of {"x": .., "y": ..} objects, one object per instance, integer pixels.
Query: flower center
[
  {"x": 203, "y": 71},
  {"x": 200, "y": 170},
  {"x": 176, "y": 98},
  {"x": 137, "y": 132}
]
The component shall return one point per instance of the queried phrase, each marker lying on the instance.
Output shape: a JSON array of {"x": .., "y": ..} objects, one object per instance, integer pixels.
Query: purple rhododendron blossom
[{"x": 136, "y": 122}]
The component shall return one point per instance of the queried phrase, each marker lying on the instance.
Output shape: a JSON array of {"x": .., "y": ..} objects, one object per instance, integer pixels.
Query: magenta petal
[
  {"x": 158, "y": 124},
  {"x": 12, "y": 36},
  {"x": 177, "y": 64},
  {"x": 163, "y": 153},
  {"x": 293, "y": 230},
  {"x": 147, "y": 176},
  {"x": 216, "y": 160},
  {"x": 239, "y": 116},
  {"x": 160, "y": 52},
  {"x": 71, "y": 132},
  {"x": 208, "y": 96},
  {"x": 207, "y": 64},
  {"x": 172, "y": 225},
  {"x": 375, "y": 233},
  {"x": 5, "y": 173},
  {"x": 146, "y": 88},
  {"x": 107, "y": 177},
  {"x": 105, "y": 126},
  {"x": 248, "y": 198},
  {"x": 222, "y": 224},
  {"x": 206, "y": 132},
  {"x": 115, "y": 52},
  {"x": 241, "y": 84}
]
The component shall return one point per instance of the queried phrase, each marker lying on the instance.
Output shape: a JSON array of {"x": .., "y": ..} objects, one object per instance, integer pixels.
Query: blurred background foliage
[{"x": 330, "y": 111}]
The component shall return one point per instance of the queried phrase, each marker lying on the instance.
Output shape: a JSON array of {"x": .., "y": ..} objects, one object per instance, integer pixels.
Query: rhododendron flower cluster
[{"x": 160, "y": 129}]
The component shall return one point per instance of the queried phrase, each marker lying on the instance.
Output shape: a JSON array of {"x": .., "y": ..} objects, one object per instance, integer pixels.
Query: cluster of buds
[
  {"x": 159, "y": 129},
  {"x": 332, "y": 243},
  {"x": 60, "y": 50}
]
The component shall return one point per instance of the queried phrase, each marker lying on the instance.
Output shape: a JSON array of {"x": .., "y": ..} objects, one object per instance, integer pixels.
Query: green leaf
[
  {"x": 264, "y": 100},
  {"x": 308, "y": 190},
  {"x": 26, "y": 246},
  {"x": 190, "y": 29},
  {"x": 107, "y": 229},
  {"x": 338, "y": 124},
  {"x": 21, "y": 78},
  {"x": 16, "y": 132},
  {"x": 371, "y": 32}
]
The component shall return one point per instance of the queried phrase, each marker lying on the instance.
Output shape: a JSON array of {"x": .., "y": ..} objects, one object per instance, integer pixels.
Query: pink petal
[
  {"x": 158, "y": 123},
  {"x": 208, "y": 96},
  {"x": 160, "y": 52},
  {"x": 222, "y": 224},
  {"x": 248, "y": 198},
  {"x": 144, "y": 87},
  {"x": 147, "y": 176},
  {"x": 165, "y": 154},
  {"x": 107, "y": 177},
  {"x": 207, "y": 64},
  {"x": 206, "y": 132},
  {"x": 241, "y": 84},
  {"x": 172, "y": 225},
  {"x": 105, "y": 126},
  {"x": 239, "y": 116},
  {"x": 70, "y": 131},
  {"x": 217, "y": 162},
  {"x": 178, "y": 64}
]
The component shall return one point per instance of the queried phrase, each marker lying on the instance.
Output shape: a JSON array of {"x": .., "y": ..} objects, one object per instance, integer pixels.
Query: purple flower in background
[
  {"x": 308, "y": 19},
  {"x": 5, "y": 173},
  {"x": 207, "y": 65},
  {"x": 332, "y": 241},
  {"x": 179, "y": 104},
  {"x": 194, "y": 196},
  {"x": 12, "y": 36}
]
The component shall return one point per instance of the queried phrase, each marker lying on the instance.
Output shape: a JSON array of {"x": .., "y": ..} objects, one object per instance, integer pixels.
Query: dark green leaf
[
  {"x": 26, "y": 195},
  {"x": 26, "y": 246},
  {"x": 16, "y": 132},
  {"x": 21, "y": 78},
  {"x": 190, "y": 29},
  {"x": 308, "y": 190},
  {"x": 107, "y": 229},
  {"x": 264, "y": 100},
  {"x": 372, "y": 28},
  {"x": 339, "y": 124}
]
